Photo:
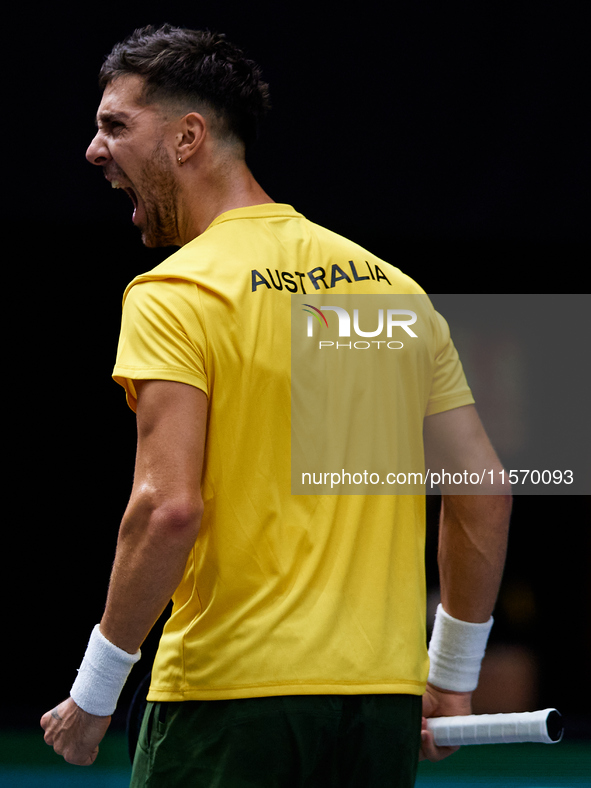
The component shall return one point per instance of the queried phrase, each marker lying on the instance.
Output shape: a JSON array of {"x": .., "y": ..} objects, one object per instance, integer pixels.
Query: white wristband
[
  {"x": 456, "y": 651},
  {"x": 101, "y": 676}
]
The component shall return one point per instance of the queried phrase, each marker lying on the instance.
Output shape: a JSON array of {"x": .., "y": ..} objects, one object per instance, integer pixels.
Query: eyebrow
[{"x": 107, "y": 117}]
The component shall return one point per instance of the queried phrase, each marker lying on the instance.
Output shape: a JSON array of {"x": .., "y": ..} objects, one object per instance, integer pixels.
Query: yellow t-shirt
[{"x": 282, "y": 594}]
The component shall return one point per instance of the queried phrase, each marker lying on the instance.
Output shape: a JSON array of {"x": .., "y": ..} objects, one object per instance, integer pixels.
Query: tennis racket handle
[{"x": 529, "y": 726}]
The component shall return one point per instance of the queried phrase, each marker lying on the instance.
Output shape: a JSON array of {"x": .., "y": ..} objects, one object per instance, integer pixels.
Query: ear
[{"x": 190, "y": 136}]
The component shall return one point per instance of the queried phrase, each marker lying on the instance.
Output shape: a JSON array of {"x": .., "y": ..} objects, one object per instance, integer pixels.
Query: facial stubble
[{"x": 160, "y": 192}]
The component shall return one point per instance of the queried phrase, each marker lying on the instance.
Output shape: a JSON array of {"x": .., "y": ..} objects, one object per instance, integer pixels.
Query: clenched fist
[{"x": 73, "y": 733}]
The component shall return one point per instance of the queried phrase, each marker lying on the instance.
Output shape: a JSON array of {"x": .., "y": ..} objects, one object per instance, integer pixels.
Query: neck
[{"x": 205, "y": 198}]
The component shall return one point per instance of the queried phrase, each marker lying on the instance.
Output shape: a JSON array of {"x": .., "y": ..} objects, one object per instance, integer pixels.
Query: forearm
[
  {"x": 472, "y": 547},
  {"x": 157, "y": 533},
  {"x": 152, "y": 550}
]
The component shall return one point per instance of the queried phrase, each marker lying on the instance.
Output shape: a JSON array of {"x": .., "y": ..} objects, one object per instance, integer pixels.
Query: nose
[{"x": 98, "y": 152}]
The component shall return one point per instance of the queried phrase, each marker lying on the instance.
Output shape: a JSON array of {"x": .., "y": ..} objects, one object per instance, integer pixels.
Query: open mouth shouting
[
  {"x": 153, "y": 195},
  {"x": 116, "y": 184}
]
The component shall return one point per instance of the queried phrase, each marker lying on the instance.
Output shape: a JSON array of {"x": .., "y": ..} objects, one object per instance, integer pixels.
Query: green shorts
[{"x": 296, "y": 741}]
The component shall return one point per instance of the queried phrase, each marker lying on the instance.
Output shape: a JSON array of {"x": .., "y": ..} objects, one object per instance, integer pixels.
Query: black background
[{"x": 452, "y": 140}]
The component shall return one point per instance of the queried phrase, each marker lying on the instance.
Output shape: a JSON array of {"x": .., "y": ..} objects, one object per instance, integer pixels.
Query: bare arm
[
  {"x": 473, "y": 533},
  {"x": 162, "y": 519},
  {"x": 157, "y": 533},
  {"x": 473, "y": 529}
]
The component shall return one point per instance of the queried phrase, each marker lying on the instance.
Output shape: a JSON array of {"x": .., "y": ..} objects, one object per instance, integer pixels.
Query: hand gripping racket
[{"x": 529, "y": 726}]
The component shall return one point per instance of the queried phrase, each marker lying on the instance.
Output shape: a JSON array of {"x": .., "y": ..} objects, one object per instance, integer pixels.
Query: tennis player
[{"x": 295, "y": 653}]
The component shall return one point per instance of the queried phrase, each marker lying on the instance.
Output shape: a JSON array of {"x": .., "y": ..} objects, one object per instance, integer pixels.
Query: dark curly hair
[{"x": 191, "y": 68}]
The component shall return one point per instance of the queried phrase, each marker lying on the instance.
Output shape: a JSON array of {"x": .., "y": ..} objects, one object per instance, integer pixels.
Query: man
[{"x": 295, "y": 652}]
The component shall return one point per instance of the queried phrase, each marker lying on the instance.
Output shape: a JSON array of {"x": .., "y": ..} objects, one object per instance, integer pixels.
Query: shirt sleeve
[
  {"x": 162, "y": 336},
  {"x": 449, "y": 387}
]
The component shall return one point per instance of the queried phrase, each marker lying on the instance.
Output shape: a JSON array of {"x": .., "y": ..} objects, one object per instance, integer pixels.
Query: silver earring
[{"x": 180, "y": 161}]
